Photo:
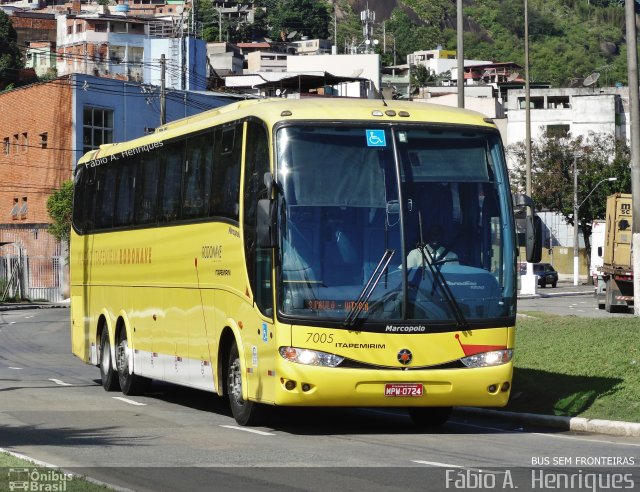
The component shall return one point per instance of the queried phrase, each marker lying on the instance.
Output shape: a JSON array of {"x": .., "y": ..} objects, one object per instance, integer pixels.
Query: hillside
[{"x": 568, "y": 39}]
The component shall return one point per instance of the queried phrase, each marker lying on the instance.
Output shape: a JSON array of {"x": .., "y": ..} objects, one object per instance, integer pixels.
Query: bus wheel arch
[
  {"x": 233, "y": 382},
  {"x": 130, "y": 383}
]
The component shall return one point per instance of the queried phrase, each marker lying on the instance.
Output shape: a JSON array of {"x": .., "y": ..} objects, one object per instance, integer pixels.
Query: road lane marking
[
  {"x": 61, "y": 383},
  {"x": 28, "y": 317},
  {"x": 253, "y": 431},
  {"x": 15, "y": 368},
  {"x": 435, "y": 463},
  {"x": 130, "y": 402}
]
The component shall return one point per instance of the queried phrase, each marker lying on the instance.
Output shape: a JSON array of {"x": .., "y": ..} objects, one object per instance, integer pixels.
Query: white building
[
  {"x": 357, "y": 66},
  {"x": 439, "y": 61},
  {"x": 578, "y": 111},
  {"x": 225, "y": 58}
]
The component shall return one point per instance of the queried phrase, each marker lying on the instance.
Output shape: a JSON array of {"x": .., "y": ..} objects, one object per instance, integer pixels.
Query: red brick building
[{"x": 35, "y": 158}]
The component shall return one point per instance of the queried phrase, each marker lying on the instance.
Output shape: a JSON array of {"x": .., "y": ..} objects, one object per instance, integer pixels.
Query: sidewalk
[
  {"x": 13, "y": 306},
  {"x": 565, "y": 288}
]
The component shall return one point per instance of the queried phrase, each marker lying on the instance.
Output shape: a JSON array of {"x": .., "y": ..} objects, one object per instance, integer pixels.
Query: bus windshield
[{"x": 434, "y": 199}]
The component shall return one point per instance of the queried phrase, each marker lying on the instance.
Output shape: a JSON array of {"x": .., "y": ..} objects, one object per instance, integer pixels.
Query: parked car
[{"x": 545, "y": 272}]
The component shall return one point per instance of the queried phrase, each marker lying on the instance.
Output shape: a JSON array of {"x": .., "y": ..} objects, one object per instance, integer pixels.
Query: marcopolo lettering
[{"x": 405, "y": 329}]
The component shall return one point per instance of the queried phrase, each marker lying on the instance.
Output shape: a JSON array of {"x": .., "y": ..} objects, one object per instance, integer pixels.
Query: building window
[
  {"x": 558, "y": 102},
  {"x": 79, "y": 27},
  {"x": 100, "y": 27},
  {"x": 534, "y": 103},
  {"x": 25, "y": 141},
  {"x": 15, "y": 209},
  {"x": 44, "y": 137},
  {"x": 16, "y": 143},
  {"x": 97, "y": 127},
  {"x": 558, "y": 131},
  {"x": 6, "y": 146},
  {"x": 70, "y": 29},
  {"x": 23, "y": 209}
]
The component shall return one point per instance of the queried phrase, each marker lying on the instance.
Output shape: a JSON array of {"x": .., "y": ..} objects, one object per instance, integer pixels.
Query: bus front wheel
[
  {"x": 107, "y": 372},
  {"x": 245, "y": 412},
  {"x": 130, "y": 384},
  {"x": 430, "y": 416}
]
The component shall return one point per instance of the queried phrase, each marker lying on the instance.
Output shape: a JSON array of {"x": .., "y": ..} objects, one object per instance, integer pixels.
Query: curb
[
  {"x": 18, "y": 307},
  {"x": 579, "y": 424}
]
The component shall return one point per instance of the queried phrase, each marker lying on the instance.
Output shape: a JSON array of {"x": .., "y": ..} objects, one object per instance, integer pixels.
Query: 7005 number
[{"x": 320, "y": 337}]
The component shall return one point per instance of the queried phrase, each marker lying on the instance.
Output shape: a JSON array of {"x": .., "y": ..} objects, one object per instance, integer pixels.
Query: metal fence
[{"x": 31, "y": 265}]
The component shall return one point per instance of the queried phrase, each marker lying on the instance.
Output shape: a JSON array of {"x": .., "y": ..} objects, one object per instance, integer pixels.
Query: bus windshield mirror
[{"x": 372, "y": 283}]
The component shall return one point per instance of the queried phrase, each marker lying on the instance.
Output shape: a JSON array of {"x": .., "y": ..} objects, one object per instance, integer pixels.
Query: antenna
[{"x": 591, "y": 79}]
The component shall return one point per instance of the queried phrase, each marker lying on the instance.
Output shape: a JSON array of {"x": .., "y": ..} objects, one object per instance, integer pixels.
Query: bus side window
[
  {"x": 105, "y": 196},
  {"x": 125, "y": 193},
  {"x": 147, "y": 188},
  {"x": 84, "y": 199},
  {"x": 170, "y": 182},
  {"x": 226, "y": 180},
  {"x": 198, "y": 172},
  {"x": 258, "y": 259}
]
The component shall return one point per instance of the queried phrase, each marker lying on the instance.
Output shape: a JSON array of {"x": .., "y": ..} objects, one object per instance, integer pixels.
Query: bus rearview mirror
[{"x": 266, "y": 224}]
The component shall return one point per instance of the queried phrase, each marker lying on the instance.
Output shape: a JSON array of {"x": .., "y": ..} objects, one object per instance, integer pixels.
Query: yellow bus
[{"x": 314, "y": 252}]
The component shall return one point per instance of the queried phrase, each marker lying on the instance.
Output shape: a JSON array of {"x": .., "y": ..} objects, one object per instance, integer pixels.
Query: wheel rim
[
  {"x": 235, "y": 382},
  {"x": 106, "y": 358},
  {"x": 122, "y": 360}
]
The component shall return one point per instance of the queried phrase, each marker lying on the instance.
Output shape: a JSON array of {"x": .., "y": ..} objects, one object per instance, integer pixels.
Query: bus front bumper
[{"x": 300, "y": 385}]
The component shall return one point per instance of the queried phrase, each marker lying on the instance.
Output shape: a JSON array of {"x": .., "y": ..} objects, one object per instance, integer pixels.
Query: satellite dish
[
  {"x": 291, "y": 34},
  {"x": 268, "y": 40},
  {"x": 513, "y": 76},
  {"x": 591, "y": 79},
  {"x": 179, "y": 9},
  {"x": 356, "y": 73}
]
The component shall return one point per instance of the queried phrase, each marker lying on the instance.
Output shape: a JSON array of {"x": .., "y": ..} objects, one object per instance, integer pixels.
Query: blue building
[{"x": 108, "y": 110}]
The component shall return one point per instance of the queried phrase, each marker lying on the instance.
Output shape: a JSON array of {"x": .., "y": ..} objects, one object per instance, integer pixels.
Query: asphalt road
[
  {"x": 53, "y": 408},
  {"x": 567, "y": 299}
]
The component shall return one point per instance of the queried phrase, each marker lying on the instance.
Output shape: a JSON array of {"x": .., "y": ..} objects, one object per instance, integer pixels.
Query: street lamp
[{"x": 576, "y": 207}]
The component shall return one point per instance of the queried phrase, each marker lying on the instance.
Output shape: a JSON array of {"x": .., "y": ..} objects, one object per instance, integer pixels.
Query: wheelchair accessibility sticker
[{"x": 376, "y": 138}]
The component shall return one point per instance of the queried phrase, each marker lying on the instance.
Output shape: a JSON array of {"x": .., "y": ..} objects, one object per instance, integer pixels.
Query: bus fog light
[
  {"x": 290, "y": 385},
  {"x": 306, "y": 387},
  {"x": 487, "y": 359},
  {"x": 506, "y": 386},
  {"x": 492, "y": 389},
  {"x": 310, "y": 357}
]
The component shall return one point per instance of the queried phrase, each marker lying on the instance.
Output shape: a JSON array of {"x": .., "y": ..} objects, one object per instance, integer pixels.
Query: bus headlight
[
  {"x": 486, "y": 359},
  {"x": 310, "y": 357}
]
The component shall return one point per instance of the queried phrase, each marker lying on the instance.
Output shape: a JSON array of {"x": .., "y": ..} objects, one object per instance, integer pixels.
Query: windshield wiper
[
  {"x": 429, "y": 258},
  {"x": 372, "y": 283}
]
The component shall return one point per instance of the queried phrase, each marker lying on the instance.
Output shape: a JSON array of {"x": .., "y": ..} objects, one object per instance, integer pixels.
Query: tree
[
  {"x": 60, "y": 206},
  {"x": 307, "y": 17},
  {"x": 597, "y": 157},
  {"x": 10, "y": 57}
]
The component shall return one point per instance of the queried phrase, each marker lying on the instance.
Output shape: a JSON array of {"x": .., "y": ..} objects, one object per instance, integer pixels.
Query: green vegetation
[
  {"x": 27, "y": 476},
  {"x": 10, "y": 58},
  {"x": 600, "y": 157},
  {"x": 572, "y": 366},
  {"x": 60, "y": 206},
  {"x": 568, "y": 39}
]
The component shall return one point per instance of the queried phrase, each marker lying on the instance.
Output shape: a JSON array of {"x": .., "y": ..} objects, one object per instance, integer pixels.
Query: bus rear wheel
[
  {"x": 107, "y": 372},
  {"x": 430, "y": 417},
  {"x": 245, "y": 412},
  {"x": 130, "y": 384}
]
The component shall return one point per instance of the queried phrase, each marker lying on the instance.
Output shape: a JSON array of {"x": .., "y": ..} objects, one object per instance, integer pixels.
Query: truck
[
  {"x": 597, "y": 249},
  {"x": 615, "y": 282}
]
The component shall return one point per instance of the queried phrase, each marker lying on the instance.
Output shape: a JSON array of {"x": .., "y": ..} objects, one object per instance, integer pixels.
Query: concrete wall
[{"x": 363, "y": 66}]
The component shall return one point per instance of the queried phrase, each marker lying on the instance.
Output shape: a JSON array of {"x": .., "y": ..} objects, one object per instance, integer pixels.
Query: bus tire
[
  {"x": 430, "y": 417},
  {"x": 108, "y": 374},
  {"x": 130, "y": 384},
  {"x": 245, "y": 412}
]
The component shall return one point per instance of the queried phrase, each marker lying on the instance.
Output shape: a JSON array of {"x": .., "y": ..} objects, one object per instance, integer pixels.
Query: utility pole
[
  {"x": 576, "y": 223},
  {"x": 163, "y": 96},
  {"x": 460, "y": 54},
  {"x": 634, "y": 109}
]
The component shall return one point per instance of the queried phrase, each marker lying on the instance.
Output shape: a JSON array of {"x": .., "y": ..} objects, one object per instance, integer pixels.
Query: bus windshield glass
[{"x": 436, "y": 198}]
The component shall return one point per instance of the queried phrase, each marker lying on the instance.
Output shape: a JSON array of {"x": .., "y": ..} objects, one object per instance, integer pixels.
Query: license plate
[{"x": 403, "y": 389}]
